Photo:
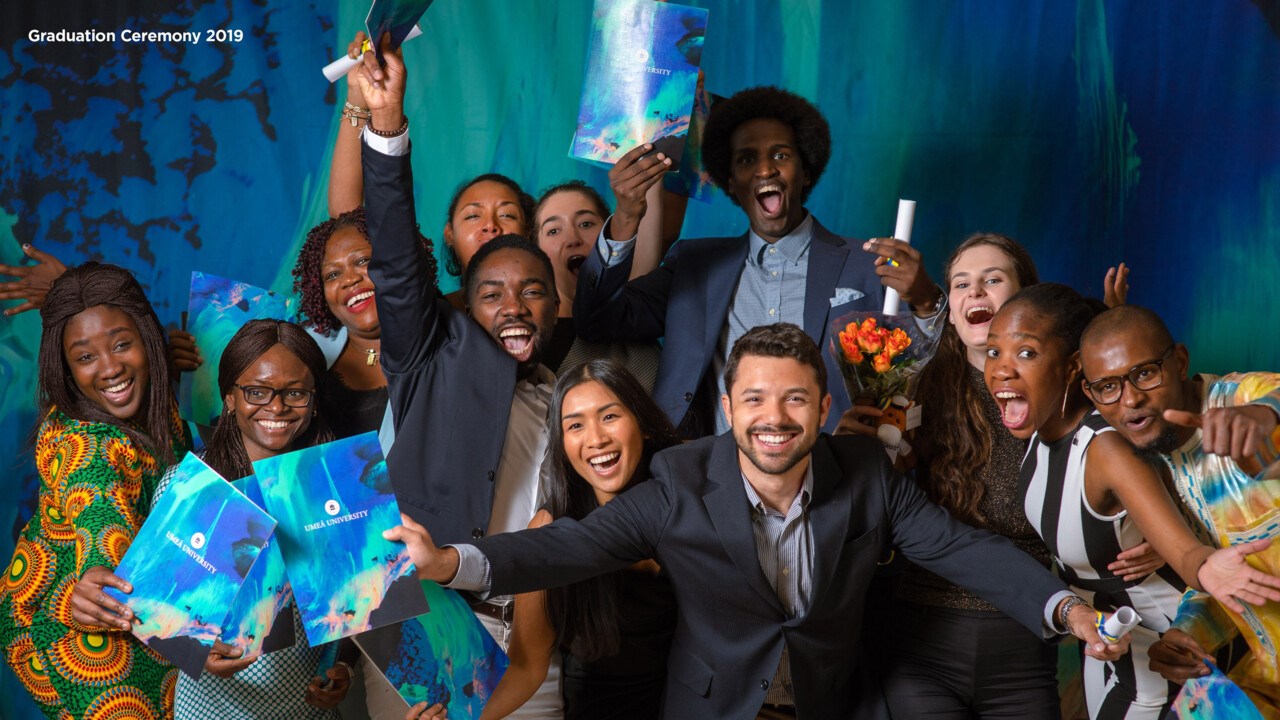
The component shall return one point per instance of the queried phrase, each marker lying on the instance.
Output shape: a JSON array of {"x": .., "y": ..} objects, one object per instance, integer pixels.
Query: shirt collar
[
  {"x": 806, "y": 492},
  {"x": 542, "y": 380},
  {"x": 793, "y": 245}
]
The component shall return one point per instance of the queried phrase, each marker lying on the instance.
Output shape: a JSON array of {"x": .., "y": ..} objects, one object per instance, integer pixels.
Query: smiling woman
[
  {"x": 270, "y": 377},
  {"x": 110, "y": 426}
]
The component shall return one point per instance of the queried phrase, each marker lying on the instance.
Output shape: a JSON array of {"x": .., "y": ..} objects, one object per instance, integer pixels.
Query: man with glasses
[{"x": 1219, "y": 437}]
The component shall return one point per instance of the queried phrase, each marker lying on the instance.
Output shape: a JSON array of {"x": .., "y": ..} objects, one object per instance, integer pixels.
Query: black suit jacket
[
  {"x": 693, "y": 518},
  {"x": 686, "y": 300},
  {"x": 450, "y": 385}
]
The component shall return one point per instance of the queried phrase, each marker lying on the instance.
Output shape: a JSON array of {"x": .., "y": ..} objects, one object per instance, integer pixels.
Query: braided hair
[
  {"x": 308, "y": 280},
  {"x": 225, "y": 451},
  {"x": 81, "y": 288}
]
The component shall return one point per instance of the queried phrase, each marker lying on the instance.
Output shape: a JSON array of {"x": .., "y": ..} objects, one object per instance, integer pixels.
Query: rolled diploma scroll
[
  {"x": 901, "y": 231},
  {"x": 336, "y": 69},
  {"x": 1118, "y": 625}
]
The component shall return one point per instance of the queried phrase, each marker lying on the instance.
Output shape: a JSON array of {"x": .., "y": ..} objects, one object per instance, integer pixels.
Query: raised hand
[
  {"x": 184, "y": 351},
  {"x": 630, "y": 178},
  {"x": 1236, "y": 432},
  {"x": 33, "y": 281},
  {"x": 383, "y": 86},
  {"x": 1136, "y": 562},
  {"x": 224, "y": 661},
  {"x": 422, "y": 712},
  {"x": 1229, "y": 578},
  {"x": 900, "y": 267},
  {"x": 355, "y": 95},
  {"x": 91, "y": 607},
  {"x": 1115, "y": 286}
]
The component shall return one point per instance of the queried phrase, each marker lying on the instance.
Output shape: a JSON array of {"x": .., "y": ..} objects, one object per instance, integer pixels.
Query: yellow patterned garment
[
  {"x": 95, "y": 489},
  {"x": 1233, "y": 507}
]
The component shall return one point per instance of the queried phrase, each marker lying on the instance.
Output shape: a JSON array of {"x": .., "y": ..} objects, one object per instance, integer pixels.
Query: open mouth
[
  {"x": 574, "y": 263},
  {"x": 979, "y": 315},
  {"x": 360, "y": 301},
  {"x": 605, "y": 464},
  {"x": 1014, "y": 409},
  {"x": 118, "y": 394},
  {"x": 769, "y": 198},
  {"x": 1139, "y": 423},
  {"x": 273, "y": 426},
  {"x": 517, "y": 340}
]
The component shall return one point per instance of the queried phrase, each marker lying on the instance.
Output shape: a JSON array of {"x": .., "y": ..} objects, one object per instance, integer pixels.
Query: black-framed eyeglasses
[
  {"x": 1143, "y": 376},
  {"x": 263, "y": 395}
]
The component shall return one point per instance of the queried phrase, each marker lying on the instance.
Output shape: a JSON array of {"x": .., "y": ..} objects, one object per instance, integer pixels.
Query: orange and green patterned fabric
[{"x": 95, "y": 488}]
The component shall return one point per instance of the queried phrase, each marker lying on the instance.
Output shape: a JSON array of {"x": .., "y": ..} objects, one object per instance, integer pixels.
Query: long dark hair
[
  {"x": 955, "y": 437},
  {"x": 225, "y": 451},
  {"x": 585, "y": 615},
  {"x": 90, "y": 285}
]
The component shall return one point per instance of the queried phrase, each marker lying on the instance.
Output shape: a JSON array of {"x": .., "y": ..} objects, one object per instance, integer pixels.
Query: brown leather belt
[{"x": 501, "y": 613}]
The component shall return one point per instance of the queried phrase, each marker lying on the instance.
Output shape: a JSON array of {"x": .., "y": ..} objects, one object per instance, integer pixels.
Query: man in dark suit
[
  {"x": 769, "y": 536},
  {"x": 767, "y": 148},
  {"x": 468, "y": 396}
]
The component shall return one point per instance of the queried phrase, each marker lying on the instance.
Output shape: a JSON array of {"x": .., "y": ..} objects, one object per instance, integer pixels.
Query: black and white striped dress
[{"x": 1083, "y": 543}]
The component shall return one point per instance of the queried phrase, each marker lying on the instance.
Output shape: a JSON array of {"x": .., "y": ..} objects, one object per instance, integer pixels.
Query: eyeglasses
[
  {"x": 1144, "y": 376},
  {"x": 263, "y": 395}
]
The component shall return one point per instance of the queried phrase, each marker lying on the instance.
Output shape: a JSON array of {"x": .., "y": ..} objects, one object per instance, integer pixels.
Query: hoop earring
[{"x": 1066, "y": 393}]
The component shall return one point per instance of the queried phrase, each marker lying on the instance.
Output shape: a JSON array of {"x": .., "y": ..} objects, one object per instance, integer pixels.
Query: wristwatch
[{"x": 1065, "y": 610}]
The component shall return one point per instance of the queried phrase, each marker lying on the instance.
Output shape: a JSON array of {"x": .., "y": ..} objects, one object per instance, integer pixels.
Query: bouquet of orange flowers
[{"x": 880, "y": 355}]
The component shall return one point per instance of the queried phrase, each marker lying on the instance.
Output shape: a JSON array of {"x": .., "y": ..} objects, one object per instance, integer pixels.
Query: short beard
[{"x": 1164, "y": 444}]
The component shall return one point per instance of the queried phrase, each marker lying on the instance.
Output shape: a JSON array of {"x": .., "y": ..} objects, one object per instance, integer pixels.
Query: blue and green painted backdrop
[{"x": 1093, "y": 131}]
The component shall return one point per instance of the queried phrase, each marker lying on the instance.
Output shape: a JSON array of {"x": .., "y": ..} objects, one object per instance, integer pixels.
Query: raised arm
[
  {"x": 346, "y": 183},
  {"x": 1113, "y": 470},
  {"x": 413, "y": 326}
]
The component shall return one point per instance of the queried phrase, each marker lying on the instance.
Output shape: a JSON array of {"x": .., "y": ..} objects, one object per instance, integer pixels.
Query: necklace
[{"x": 371, "y": 356}]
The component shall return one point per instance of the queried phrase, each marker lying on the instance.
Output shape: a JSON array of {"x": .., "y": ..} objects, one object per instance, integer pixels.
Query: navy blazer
[
  {"x": 692, "y": 517},
  {"x": 686, "y": 301},
  {"x": 450, "y": 384}
]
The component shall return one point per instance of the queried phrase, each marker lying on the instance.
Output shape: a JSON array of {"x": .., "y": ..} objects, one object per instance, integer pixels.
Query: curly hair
[
  {"x": 91, "y": 285},
  {"x": 954, "y": 441},
  {"x": 813, "y": 134},
  {"x": 452, "y": 264},
  {"x": 308, "y": 280}
]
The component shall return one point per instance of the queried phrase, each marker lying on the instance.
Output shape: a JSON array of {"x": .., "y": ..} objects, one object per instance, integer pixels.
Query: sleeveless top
[{"x": 1082, "y": 541}]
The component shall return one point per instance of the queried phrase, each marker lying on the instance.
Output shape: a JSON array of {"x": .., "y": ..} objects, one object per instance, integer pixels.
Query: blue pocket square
[{"x": 845, "y": 295}]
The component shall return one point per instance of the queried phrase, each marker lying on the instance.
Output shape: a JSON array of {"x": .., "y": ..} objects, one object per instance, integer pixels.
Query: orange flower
[
  {"x": 897, "y": 341},
  {"x": 881, "y": 362},
  {"x": 870, "y": 337},
  {"x": 849, "y": 344}
]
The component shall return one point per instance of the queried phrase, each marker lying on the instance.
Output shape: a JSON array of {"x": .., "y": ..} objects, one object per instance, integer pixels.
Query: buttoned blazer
[
  {"x": 693, "y": 518},
  {"x": 686, "y": 302},
  {"x": 449, "y": 383}
]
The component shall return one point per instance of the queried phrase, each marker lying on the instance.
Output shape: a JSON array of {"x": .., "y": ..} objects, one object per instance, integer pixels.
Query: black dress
[
  {"x": 629, "y": 685},
  {"x": 352, "y": 412}
]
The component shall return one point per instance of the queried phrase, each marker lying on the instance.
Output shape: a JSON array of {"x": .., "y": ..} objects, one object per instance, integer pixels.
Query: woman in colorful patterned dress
[{"x": 110, "y": 428}]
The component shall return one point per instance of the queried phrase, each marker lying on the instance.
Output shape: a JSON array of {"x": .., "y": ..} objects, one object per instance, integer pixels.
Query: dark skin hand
[
  {"x": 908, "y": 277},
  {"x": 92, "y": 607},
  {"x": 33, "y": 281},
  {"x": 224, "y": 660},
  {"x": 1235, "y": 432},
  {"x": 1178, "y": 657},
  {"x": 630, "y": 178},
  {"x": 184, "y": 351},
  {"x": 328, "y": 696}
]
